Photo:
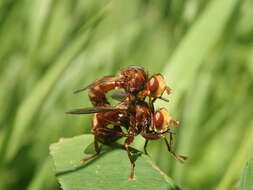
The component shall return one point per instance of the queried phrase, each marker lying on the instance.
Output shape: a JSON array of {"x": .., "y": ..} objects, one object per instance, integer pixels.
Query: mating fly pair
[{"x": 132, "y": 112}]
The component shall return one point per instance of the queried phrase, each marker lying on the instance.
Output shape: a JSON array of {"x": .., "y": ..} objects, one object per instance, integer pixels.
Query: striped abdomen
[{"x": 97, "y": 93}]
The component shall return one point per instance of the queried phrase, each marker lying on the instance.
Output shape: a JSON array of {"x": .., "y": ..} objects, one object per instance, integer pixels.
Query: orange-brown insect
[
  {"x": 137, "y": 119},
  {"x": 134, "y": 80}
]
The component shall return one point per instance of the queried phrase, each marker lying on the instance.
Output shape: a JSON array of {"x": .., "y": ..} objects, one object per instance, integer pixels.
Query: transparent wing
[
  {"x": 94, "y": 110},
  {"x": 103, "y": 80},
  {"x": 119, "y": 95}
]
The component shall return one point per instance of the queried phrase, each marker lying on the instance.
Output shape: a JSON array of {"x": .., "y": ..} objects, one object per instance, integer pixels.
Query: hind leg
[
  {"x": 105, "y": 136},
  {"x": 97, "y": 149},
  {"x": 128, "y": 141}
]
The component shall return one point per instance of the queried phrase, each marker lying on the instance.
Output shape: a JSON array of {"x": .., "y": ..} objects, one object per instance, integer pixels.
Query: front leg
[
  {"x": 171, "y": 140},
  {"x": 151, "y": 136},
  {"x": 180, "y": 158},
  {"x": 151, "y": 103}
]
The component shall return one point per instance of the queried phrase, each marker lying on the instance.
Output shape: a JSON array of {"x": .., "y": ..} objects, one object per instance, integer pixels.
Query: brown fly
[
  {"x": 135, "y": 82},
  {"x": 137, "y": 119}
]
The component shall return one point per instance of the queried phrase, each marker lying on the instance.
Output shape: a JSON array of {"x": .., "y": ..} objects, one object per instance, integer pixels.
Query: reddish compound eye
[
  {"x": 153, "y": 84},
  {"x": 161, "y": 120},
  {"x": 158, "y": 120},
  {"x": 156, "y": 86}
]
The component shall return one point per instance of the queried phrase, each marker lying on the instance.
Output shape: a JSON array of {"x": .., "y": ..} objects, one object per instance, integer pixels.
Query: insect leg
[
  {"x": 145, "y": 146},
  {"x": 178, "y": 157},
  {"x": 148, "y": 137},
  {"x": 97, "y": 149},
  {"x": 128, "y": 141},
  {"x": 169, "y": 144},
  {"x": 151, "y": 103},
  {"x": 171, "y": 140}
]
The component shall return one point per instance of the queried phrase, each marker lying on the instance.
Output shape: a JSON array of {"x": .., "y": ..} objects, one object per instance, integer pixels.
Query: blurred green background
[{"x": 204, "y": 48}]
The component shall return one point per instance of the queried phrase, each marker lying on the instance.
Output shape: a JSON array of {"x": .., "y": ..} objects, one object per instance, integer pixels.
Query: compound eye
[
  {"x": 153, "y": 84},
  {"x": 156, "y": 86},
  {"x": 158, "y": 120},
  {"x": 161, "y": 120}
]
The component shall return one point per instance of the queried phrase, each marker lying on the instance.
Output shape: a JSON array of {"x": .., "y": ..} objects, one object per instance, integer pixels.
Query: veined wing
[
  {"x": 106, "y": 79},
  {"x": 95, "y": 110}
]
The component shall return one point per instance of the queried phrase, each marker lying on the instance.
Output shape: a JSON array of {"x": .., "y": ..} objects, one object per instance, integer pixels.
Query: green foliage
[
  {"x": 111, "y": 169},
  {"x": 246, "y": 181},
  {"x": 239, "y": 159},
  {"x": 51, "y": 47}
]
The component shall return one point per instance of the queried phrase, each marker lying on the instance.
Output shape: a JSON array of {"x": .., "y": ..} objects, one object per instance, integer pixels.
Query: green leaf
[
  {"x": 246, "y": 181},
  {"x": 110, "y": 170}
]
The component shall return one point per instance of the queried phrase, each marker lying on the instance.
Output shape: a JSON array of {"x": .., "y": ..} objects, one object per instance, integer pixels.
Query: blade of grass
[
  {"x": 32, "y": 103},
  {"x": 191, "y": 119},
  {"x": 246, "y": 181},
  {"x": 41, "y": 11},
  {"x": 238, "y": 160},
  {"x": 41, "y": 176},
  {"x": 191, "y": 52},
  {"x": 197, "y": 43},
  {"x": 9, "y": 80}
]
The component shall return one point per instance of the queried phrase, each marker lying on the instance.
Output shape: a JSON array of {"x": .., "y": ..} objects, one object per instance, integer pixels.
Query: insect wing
[
  {"x": 106, "y": 79},
  {"x": 94, "y": 110},
  {"x": 133, "y": 67},
  {"x": 119, "y": 95}
]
